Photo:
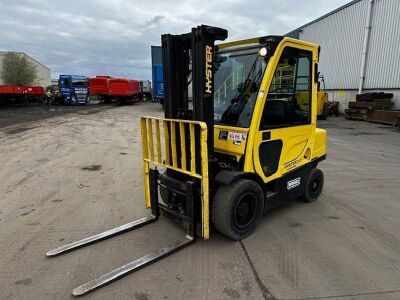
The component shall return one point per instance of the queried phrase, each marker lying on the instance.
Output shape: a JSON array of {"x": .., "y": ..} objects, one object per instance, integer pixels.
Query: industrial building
[
  {"x": 43, "y": 72},
  {"x": 359, "y": 49}
]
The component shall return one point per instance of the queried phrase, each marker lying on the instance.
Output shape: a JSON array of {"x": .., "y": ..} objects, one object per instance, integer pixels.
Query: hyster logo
[{"x": 209, "y": 57}]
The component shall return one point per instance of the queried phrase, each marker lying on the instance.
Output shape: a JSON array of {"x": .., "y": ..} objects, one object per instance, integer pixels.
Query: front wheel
[
  {"x": 236, "y": 208},
  {"x": 314, "y": 185}
]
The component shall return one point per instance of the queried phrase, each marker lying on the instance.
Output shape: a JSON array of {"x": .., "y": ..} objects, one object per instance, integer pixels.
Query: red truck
[
  {"x": 108, "y": 88},
  {"x": 20, "y": 94}
]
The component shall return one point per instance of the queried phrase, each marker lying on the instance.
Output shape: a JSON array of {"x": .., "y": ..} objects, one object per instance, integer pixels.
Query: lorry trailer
[
  {"x": 20, "y": 94},
  {"x": 74, "y": 89},
  {"x": 98, "y": 86},
  {"x": 108, "y": 88},
  {"x": 124, "y": 89}
]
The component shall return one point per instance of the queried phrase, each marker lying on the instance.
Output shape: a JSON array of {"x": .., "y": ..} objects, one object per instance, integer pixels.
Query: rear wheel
[
  {"x": 236, "y": 208},
  {"x": 314, "y": 185}
]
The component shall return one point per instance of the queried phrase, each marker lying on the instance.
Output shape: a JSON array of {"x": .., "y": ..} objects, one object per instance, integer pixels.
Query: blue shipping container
[
  {"x": 157, "y": 73},
  {"x": 158, "y": 85}
]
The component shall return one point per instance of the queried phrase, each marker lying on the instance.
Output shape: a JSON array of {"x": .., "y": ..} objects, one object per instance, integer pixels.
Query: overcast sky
[{"x": 113, "y": 37}]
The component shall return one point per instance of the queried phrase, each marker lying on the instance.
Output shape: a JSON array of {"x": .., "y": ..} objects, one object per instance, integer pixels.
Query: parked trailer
[
  {"x": 108, "y": 88},
  {"x": 124, "y": 89},
  {"x": 99, "y": 86},
  {"x": 20, "y": 94}
]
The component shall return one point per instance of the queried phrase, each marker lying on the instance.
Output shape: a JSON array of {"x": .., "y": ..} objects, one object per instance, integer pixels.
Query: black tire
[
  {"x": 325, "y": 112},
  {"x": 236, "y": 208},
  {"x": 367, "y": 96},
  {"x": 314, "y": 185}
]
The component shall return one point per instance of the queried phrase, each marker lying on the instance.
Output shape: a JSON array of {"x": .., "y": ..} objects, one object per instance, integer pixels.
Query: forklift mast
[{"x": 189, "y": 62}]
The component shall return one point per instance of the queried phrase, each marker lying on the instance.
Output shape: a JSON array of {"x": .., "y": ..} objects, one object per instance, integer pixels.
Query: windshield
[
  {"x": 79, "y": 82},
  {"x": 237, "y": 81}
]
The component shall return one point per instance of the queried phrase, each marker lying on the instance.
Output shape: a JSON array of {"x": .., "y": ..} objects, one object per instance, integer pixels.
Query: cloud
[
  {"x": 114, "y": 37},
  {"x": 154, "y": 21}
]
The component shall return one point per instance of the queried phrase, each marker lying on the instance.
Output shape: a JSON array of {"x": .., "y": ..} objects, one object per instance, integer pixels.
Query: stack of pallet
[{"x": 359, "y": 109}]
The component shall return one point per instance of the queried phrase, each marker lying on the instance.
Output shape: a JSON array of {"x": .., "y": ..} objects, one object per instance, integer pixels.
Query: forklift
[
  {"x": 239, "y": 138},
  {"x": 323, "y": 108}
]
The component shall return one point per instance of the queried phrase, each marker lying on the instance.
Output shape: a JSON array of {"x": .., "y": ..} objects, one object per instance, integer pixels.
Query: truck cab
[{"x": 74, "y": 89}]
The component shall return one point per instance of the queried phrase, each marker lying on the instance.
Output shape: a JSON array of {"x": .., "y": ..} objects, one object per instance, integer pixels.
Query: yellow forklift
[
  {"x": 247, "y": 142},
  {"x": 322, "y": 101}
]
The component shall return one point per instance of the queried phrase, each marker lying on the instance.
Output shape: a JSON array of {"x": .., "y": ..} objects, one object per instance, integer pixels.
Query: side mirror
[{"x": 316, "y": 73}]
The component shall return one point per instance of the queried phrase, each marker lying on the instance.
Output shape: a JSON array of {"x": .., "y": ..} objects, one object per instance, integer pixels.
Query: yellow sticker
[{"x": 341, "y": 93}]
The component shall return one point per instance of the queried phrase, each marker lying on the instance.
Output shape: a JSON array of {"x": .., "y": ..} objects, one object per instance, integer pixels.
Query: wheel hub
[
  {"x": 245, "y": 211},
  {"x": 315, "y": 186}
]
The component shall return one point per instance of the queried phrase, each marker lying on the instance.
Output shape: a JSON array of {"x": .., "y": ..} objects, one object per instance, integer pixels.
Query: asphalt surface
[{"x": 71, "y": 172}]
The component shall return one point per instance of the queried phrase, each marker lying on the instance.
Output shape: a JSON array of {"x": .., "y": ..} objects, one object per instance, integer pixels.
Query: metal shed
[{"x": 359, "y": 48}]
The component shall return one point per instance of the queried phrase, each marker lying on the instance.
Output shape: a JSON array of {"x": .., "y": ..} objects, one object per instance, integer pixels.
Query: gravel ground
[{"x": 68, "y": 172}]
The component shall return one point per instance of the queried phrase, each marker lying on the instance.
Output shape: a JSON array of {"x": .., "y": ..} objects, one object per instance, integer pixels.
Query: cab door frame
[{"x": 255, "y": 136}]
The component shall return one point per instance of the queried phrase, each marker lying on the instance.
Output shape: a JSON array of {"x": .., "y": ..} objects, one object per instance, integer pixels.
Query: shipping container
[
  {"x": 158, "y": 83},
  {"x": 157, "y": 73}
]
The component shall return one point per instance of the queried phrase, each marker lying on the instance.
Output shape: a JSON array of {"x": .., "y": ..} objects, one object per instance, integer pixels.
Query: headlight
[{"x": 262, "y": 52}]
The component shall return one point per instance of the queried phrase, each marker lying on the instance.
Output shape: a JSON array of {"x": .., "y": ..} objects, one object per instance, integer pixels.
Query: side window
[
  {"x": 270, "y": 154},
  {"x": 289, "y": 97}
]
